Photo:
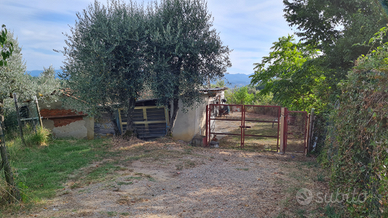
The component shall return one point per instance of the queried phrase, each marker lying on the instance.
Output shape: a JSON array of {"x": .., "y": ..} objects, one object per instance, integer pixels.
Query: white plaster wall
[
  {"x": 184, "y": 128},
  {"x": 75, "y": 130}
]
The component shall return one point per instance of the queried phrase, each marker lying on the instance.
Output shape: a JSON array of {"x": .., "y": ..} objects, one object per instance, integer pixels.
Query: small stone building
[{"x": 64, "y": 122}]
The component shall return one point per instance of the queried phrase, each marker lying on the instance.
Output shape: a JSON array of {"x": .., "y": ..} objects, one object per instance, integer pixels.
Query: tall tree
[
  {"x": 186, "y": 52},
  {"x": 338, "y": 28},
  {"x": 6, "y": 48},
  {"x": 105, "y": 57},
  {"x": 12, "y": 78},
  {"x": 289, "y": 72}
]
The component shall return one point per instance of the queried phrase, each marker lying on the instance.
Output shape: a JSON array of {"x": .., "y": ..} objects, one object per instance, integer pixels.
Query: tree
[
  {"x": 12, "y": 78},
  {"x": 290, "y": 73},
  {"x": 6, "y": 46},
  {"x": 105, "y": 57},
  {"x": 240, "y": 96},
  {"x": 219, "y": 83},
  {"x": 338, "y": 28},
  {"x": 186, "y": 52}
]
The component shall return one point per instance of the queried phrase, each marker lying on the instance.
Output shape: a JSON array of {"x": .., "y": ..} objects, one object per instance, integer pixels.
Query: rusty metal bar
[
  {"x": 279, "y": 114},
  {"x": 285, "y": 129},
  {"x": 262, "y": 106},
  {"x": 220, "y": 133},
  {"x": 225, "y": 119},
  {"x": 242, "y": 124},
  {"x": 266, "y": 136},
  {"x": 305, "y": 133}
]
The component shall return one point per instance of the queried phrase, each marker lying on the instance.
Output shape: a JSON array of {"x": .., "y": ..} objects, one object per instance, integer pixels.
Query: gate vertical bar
[
  {"x": 279, "y": 117},
  {"x": 285, "y": 132},
  {"x": 207, "y": 120},
  {"x": 305, "y": 134},
  {"x": 242, "y": 126}
]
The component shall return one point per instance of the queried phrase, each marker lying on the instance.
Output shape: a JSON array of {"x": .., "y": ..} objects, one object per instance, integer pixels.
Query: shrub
[{"x": 357, "y": 142}]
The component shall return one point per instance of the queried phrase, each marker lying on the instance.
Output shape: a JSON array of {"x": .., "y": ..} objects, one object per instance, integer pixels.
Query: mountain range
[{"x": 231, "y": 80}]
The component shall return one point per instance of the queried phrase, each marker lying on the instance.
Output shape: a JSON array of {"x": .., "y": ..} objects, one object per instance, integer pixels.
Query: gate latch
[{"x": 246, "y": 127}]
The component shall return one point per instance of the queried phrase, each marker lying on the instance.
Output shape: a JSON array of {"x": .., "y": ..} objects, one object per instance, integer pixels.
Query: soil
[{"x": 166, "y": 178}]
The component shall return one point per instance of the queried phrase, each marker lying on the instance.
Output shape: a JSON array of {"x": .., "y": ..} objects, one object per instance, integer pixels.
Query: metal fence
[{"x": 20, "y": 118}]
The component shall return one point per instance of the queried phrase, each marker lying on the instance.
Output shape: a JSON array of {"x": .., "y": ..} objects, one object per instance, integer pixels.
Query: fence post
[
  {"x": 37, "y": 108},
  {"x": 310, "y": 130},
  {"x": 5, "y": 164},
  {"x": 282, "y": 129},
  {"x": 18, "y": 116}
]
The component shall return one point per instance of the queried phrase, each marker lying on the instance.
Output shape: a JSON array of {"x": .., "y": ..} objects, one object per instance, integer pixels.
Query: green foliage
[
  {"x": 290, "y": 73},
  {"x": 219, "y": 83},
  {"x": 115, "y": 51},
  {"x": 105, "y": 58},
  {"x": 6, "y": 48},
  {"x": 41, "y": 171},
  {"x": 40, "y": 137},
  {"x": 357, "y": 146},
  {"x": 185, "y": 51},
  {"x": 239, "y": 96},
  {"x": 12, "y": 76},
  {"x": 336, "y": 27}
]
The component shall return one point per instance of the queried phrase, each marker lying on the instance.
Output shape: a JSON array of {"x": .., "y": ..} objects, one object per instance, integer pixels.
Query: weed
[
  {"x": 132, "y": 177},
  {"x": 124, "y": 214},
  {"x": 320, "y": 178},
  {"x": 330, "y": 212},
  {"x": 124, "y": 183},
  {"x": 245, "y": 169},
  {"x": 301, "y": 213},
  {"x": 179, "y": 167},
  {"x": 111, "y": 213},
  {"x": 40, "y": 137},
  {"x": 189, "y": 164}
]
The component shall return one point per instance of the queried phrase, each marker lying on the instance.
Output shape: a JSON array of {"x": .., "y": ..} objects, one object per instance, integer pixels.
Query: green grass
[
  {"x": 253, "y": 142},
  {"x": 40, "y": 171}
]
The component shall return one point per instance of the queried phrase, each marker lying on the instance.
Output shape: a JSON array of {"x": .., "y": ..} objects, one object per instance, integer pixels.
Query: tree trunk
[
  {"x": 4, "y": 160},
  {"x": 130, "y": 130},
  {"x": 113, "y": 120},
  {"x": 173, "y": 115}
]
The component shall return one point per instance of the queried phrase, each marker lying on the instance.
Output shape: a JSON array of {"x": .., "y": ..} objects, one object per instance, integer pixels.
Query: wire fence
[{"x": 20, "y": 118}]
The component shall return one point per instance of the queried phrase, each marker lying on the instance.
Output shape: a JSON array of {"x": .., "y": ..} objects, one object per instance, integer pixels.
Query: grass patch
[
  {"x": 124, "y": 183},
  {"x": 40, "y": 171}
]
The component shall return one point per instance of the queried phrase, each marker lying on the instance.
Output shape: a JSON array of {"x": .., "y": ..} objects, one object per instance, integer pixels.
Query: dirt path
[{"x": 171, "y": 179}]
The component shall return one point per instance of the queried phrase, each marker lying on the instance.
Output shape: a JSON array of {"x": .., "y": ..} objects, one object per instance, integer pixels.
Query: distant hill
[
  {"x": 237, "y": 80},
  {"x": 234, "y": 79}
]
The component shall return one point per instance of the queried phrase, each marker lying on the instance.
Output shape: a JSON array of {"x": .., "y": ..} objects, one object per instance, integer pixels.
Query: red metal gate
[
  {"x": 295, "y": 131},
  {"x": 252, "y": 121}
]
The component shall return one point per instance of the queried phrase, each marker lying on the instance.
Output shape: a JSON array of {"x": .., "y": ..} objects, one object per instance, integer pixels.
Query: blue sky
[{"x": 249, "y": 27}]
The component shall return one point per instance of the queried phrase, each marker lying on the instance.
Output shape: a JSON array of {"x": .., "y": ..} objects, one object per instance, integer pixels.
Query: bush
[
  {"x": 40, "y": 137},
  {"x": 357, "y": 142}
]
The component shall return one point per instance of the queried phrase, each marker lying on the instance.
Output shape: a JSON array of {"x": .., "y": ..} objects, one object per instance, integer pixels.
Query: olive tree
[
  {"x": 186, "y": 52},
  {"x": 105, "y": 57}
]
